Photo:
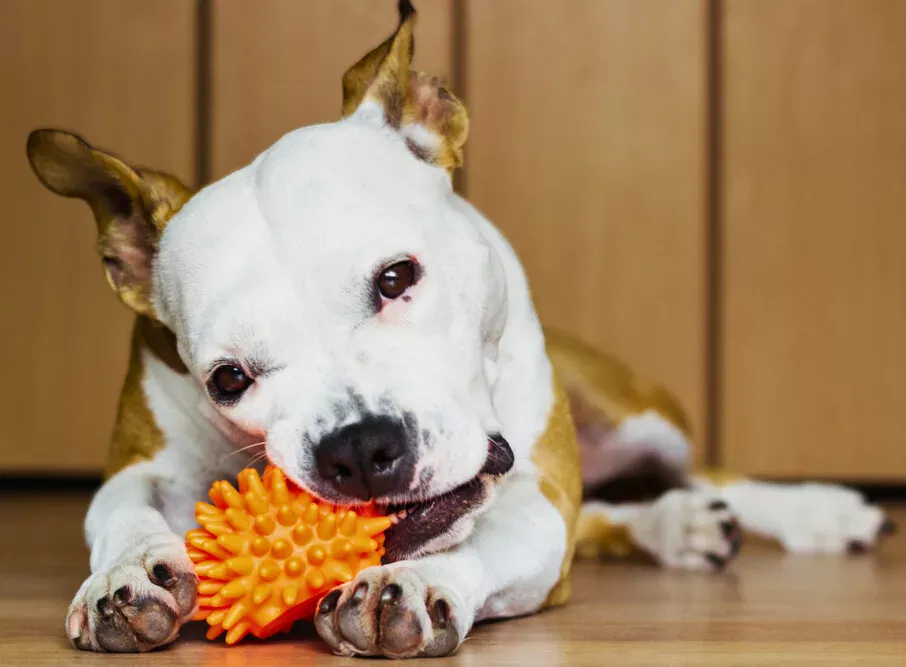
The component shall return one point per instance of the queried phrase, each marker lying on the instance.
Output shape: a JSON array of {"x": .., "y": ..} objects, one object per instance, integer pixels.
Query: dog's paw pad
[
  {"x": 689, "y": 529},
  {"x": 388, "y": 612},
  {"x": 132, "y": 607}
]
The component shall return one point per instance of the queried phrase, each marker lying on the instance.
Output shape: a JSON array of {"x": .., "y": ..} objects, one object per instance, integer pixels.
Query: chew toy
[{"x": 266, "y": 554}]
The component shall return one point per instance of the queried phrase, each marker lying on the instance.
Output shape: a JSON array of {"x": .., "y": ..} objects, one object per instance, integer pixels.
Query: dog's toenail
[
  {"x": 716, "y": 561},
  {"x": 717, "y": 505},
  {"x": 727, "y": 528},
  {"x": 391, "y": 594},
  {"x": 855, "y": 547},
  {"x": 440, "y": 614},
  {"x": 736, "y": 543},
  {"x": 162, "y": 574},
  {"x": 360, "y": 592},
  {"x": 122, "y": 596},
  {"x": 329, "y": 603},
  {"x": 104, "y": 606}
]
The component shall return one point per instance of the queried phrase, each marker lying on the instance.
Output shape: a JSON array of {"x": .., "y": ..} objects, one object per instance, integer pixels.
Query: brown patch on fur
[
  {"x": 718, "y": 477},
  {"x": 586, "y": 415},
  {"x": 162, "y": 344},
  {"x": 431, "y": 105},
  {"x": 136, "y": 435},
  {"x": 408, "y": 98},
  {"x": 393, "y": 101},
  {"x": 607, "y": 386},
  {"x": 131, "y": 210},
  {"x": 358, "y": 78},
  {"x": 131, "y": 206},
  {"x": 596, "y": 537},
  {"x": 556, "y": 456},
  {"x": 382, "y": 74},
  {"x": 419, "y": 151},
  {"x": 603, "y": 392}
]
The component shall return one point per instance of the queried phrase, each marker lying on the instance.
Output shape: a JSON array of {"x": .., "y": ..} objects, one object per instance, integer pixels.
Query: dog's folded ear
[
  {"x": 421, "y": 107},
  {"x": 131, "y": 206}
]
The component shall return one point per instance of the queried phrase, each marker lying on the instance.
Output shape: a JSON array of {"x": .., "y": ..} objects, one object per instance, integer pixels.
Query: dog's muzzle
[
  {"x": 375, "y": 460},
  {"x": 417, "y": 524}
]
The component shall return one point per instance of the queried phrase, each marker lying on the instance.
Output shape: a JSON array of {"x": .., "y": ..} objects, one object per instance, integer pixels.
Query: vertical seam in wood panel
[
  {"x": 713, "y": 230},
  {"x": 202, "y": 92},
  {"x": 459, "y": 11}
]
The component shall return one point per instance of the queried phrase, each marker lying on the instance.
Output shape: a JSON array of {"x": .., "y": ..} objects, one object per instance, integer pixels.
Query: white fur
[
  {"x": 805, "y": 518},
  {"x": 273, "y": 265},
  {"x": 276, "y": 263}
]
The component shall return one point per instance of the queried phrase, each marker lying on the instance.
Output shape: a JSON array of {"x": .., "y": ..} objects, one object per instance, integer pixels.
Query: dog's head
[{"x": 331, "y": 298}]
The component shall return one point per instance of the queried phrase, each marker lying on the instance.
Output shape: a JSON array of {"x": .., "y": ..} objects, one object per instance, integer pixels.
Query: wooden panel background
[
  {"x": 587, "y": 149},
  {"x": 814, "y": 302},
  {"x": 120, "y": 72},
  {"x": 277, "y": 64}
]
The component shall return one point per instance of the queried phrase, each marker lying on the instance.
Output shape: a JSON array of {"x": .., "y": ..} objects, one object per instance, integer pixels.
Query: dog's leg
[
  {"x": 685, "y": 528},
  {"x": 805, "y": 518},
  {"x": 142, "y": 585},
  {"x": 425, "y": 607},
  {"x": 642, "y": 445},
  {"x": 636, "y": 478}
]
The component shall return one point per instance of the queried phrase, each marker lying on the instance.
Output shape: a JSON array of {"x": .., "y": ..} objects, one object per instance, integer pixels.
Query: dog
[
  {"x": 643, "y": 494},
  {"x": 336, "y": 309}
]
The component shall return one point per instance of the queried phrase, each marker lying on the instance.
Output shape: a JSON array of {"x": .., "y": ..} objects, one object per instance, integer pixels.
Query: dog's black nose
[{"x": 368, "y": 459}]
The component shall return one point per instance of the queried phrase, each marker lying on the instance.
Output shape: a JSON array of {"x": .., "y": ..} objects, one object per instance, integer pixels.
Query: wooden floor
[{"x": 769, "y": 609}]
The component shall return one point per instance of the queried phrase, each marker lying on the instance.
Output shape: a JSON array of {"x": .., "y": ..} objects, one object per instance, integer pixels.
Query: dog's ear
[
  {"x": 433, "y": 121},
  {"x": 131, "y": 206}
]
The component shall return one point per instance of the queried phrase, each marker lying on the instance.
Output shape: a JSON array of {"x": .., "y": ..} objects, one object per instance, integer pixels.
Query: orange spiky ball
[{"x": 266, "y": 554}]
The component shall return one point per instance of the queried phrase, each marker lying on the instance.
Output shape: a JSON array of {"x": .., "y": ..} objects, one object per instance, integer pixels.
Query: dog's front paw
[
  {"x": 689, "y": 529},
  {"x": 390, "y": 611},
  {"x": 826, "y": 519},
  {"x": 136, "y": 605}
]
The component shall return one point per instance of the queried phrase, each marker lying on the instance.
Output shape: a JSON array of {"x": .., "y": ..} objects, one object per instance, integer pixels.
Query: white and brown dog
[{"x": 335, "y": 308}]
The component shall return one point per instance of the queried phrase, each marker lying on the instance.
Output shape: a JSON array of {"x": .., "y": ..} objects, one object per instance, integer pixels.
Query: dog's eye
[
  {"x": 228, "y": 383},
  {"x": 396, "y": 279}
]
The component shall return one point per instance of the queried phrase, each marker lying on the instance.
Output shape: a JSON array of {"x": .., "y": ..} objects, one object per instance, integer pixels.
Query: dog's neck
[{"x": 160, "y": 342}]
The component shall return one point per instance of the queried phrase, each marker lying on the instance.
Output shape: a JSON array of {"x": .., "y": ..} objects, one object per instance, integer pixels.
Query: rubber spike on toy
[{"x": 267, "y": 551}]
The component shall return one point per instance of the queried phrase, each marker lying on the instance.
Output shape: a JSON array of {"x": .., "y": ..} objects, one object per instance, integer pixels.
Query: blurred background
[{"x": 713, "y": 190}]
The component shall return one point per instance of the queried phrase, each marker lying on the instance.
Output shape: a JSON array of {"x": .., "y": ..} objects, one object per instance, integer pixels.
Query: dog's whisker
[
  {"x": 259, "y": 455},
  {"x": 242, "y": 449},
  {"x": 255, "y": 459}
]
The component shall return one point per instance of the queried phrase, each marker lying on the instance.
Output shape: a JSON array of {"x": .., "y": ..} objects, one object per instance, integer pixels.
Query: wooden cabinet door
[
  {"x": 814, "y": 257},
  {"x": 587, "y": 148},
  {"x": 277, "y": 65},
  {"x": 121, "y": 73}
]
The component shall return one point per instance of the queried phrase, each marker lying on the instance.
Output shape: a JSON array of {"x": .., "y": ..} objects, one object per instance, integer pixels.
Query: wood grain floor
[{"x": 769, "y": 609}]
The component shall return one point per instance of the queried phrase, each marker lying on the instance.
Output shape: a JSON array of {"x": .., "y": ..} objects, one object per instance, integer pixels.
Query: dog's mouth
[{"x": 417, "y": 524}]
